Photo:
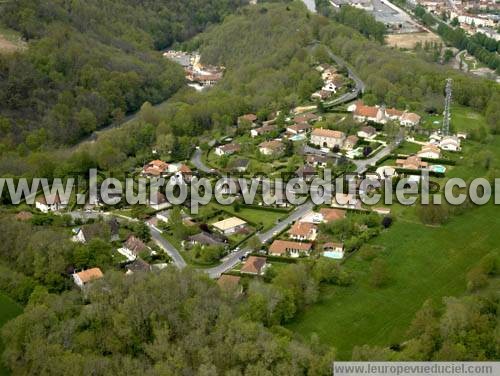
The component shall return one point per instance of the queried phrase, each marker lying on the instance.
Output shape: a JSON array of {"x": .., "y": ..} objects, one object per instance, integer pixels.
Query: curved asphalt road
[
  {"x": 231, "y": 260},
  {"x": 197, "y": 161},
  {"x": 356, "y": 92}
]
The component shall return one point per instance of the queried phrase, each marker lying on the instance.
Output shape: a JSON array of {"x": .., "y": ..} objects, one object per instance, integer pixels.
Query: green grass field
[
  {"x": 408, "y": 148},
  {"x": 266, "y": 218},
  {"x": 463, "y": 119},
  {"x": 8, "y": 310},
  {"x": 423, "y": 263}
]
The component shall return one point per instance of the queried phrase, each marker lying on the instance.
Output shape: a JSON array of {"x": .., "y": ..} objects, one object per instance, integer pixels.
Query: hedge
[{"x": 288, "y": 260}]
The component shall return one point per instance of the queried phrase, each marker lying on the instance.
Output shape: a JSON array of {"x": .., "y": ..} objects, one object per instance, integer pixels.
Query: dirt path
[{"x": 6, "y": 46}]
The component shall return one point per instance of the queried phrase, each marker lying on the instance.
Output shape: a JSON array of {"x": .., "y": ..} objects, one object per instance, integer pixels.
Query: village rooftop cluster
[{"x": 362, "y": 141}]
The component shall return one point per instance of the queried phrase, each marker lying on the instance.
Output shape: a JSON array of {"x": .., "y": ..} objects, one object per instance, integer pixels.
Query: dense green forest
[
  {"x": 137, "y": 326},
  {"x": 89, "y": 63},
  {"x": 358, "y": 19},
  {"x": 271, "y": 69}
]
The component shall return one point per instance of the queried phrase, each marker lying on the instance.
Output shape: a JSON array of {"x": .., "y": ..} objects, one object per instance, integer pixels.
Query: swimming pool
[
  {"x": 333, "y": 254},
  {"x": 438, "y": 168},
  {"x": 298, "y": 137}
]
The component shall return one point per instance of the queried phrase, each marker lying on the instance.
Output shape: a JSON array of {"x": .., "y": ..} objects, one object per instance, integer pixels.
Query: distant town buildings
[{"x": 199, "y": 75}]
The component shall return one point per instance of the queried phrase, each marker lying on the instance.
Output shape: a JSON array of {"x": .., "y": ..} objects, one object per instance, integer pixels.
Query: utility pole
[{"x": 447, "y": 108}]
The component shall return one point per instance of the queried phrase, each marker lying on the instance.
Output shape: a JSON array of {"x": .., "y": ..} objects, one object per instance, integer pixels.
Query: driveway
[
  {"x": 198, "y": 163},
  {"x": 231, "y": 260},
  {"x": 167, "y": 247}
]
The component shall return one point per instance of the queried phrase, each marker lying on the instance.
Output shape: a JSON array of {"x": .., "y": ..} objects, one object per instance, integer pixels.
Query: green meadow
[{"x": 423, "y": 262}]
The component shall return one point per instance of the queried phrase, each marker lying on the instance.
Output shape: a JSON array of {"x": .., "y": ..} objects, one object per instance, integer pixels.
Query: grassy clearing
[
  {"x": 10, "y": 41},
  {"x": 266, "y": 218},
  {"x": 423, "y": 263},
  {"x": 408, "y": 148},
  {"x": 464, "y": 119},
  {"x": 8, "y": 310},
  {"x": 410, "y": 40}
]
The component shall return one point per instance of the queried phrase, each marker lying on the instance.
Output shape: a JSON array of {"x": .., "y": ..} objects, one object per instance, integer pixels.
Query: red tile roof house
[
  {"x": 230, "y": 226},
  {"x": 298, "y": 128},
  {"x": 306, "y": 118},
  {"x": 155, "y": 169},
  {"x": 350, "y": 142},
  {"x": 327, "y": 138},
  {"x": 409, "y": 119},
  {"x": 367, "y": 113},
  {"x": 230, "y": 283},
  {"x": 306, "y": 172},
  {"x": 261, "y": 130},
  {"x": 182, "y": 175},
  {"x": 303, "y": 231},
  {"x": 254, "y": 265},
  {"x": 317, "y": 160},
  {"x": 367, "y": 132},
  {"x": 429, "y": 151},
  {"x": 288, "y": 248},
  {"x": 321, "y": 95},
  {"x": 52, "y": 203},
  {"x": 84, "y": 277},
  {"x": 159, "y": 202},
  {"x": 345, "y": 201},
  {"x": 393, "y": 114},
  {"x": 227, "y": 149},
  {"x": 411, "y": 163}
]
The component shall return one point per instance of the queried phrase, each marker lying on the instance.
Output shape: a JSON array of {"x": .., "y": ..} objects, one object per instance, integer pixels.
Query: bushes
[
  {"x": 478, "y": 276},
  {"x": 16, "y": 285}
]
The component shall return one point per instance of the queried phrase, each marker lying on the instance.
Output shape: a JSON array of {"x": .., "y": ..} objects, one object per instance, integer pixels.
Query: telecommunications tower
[{"x": 447, "y": 108}]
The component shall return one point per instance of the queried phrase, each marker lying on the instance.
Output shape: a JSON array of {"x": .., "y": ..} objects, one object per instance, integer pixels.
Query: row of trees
[
  {"x": 483, "y": 48},
  {"x": 474, "y": 45}
]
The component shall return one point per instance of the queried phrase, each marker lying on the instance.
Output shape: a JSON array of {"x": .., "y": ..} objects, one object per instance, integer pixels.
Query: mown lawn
[
  {"x": 8, "y": 310},
  {"x": 266, "y": 218},
  {"x": 424, "y": 262},
  {"x": 463, "y": 119},
  {"x": 408, "y": 148}
]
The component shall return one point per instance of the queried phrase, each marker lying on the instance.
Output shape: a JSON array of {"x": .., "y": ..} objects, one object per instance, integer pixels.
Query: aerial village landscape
[{"x": 403, "y": 95}]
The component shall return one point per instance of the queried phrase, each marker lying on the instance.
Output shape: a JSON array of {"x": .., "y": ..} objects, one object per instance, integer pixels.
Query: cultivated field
[{"x": 409, "y": 41}]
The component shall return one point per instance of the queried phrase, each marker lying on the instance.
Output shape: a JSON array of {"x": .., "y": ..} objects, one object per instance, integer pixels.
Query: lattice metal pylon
[{"x": 447, "y": 108}]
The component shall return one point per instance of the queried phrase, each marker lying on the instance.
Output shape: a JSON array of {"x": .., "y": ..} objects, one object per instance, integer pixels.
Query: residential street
[
  {"x": 233, "y": 258},
  {"x": 362, "y": 164},
  {"x": 198, "y": 163},
  {"x": 360, "y": 85},
  {"x": 168, "y": 248}
]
